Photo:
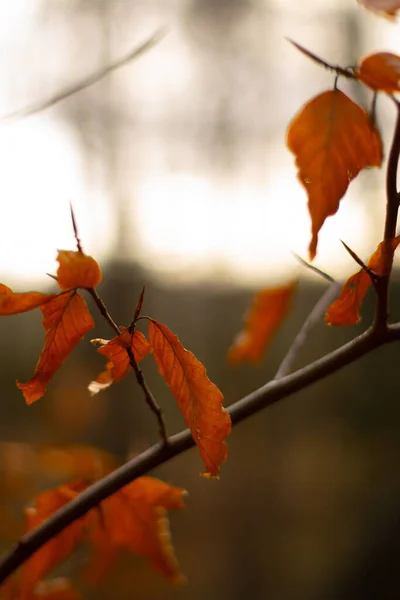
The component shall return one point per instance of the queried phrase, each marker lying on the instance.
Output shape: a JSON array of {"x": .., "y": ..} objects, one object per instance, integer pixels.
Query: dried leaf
[
  {"x": 333, "y": 139},
  {"x": 119, "y": 365},
  {"x": 77, "y": 270},
  {"x": 12, "y": 303},
  {"x": 60, "y": 546},
  {"x": 269, "y": 309},
  {"x": 386, "y": 7},
  {"x": 75, "y": 462},
  {"x": 381, "y": 71},
  {"x": 55, "y": 589},
  {"x": 66, "y": 320},
  {"x": 199, "y": 400},
  {"x": 135, "y": 519},
  {"x": 346, "y": 309}
]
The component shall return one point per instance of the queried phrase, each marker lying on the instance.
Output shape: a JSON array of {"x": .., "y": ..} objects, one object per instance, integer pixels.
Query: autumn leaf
[
  {"x": 333, "y": 139},
  {"x": 269, "y": 308},
  {"x": 199, "y": 400},
  {"x": 119, "y": 363},
  {"x": 77, "y": 270},
  {"x": 75, "y": 462},
  {"x": 345, "y": 310},
  {"x": 380, "y": 71},
  {"x": 66, "y": 320},
  {"x": 53, "y": 589},
  {"x": 13, "y": 303},
  {"x": 386, "y": 7},
  {"x": 135, "y": 519},
  {"x": 60, "y": 546}
]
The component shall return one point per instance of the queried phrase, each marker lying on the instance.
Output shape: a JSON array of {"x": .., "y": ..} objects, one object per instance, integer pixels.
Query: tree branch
[{"x": 158, "y": 454}]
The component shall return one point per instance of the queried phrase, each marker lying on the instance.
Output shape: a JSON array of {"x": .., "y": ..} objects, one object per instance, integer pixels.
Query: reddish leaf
[
  {"x": 118, "y": 365},
  {"x": 66, "y": 320},
  {"x": 269, "y": 309},
  {"x": 135, "y": 519},
  {"x": 75, "y": 462},
  {"x": 59, "y": 547},
  {"x": 346, "y": 309},
  {"x": 77, "y": 270},
  {"x": 55, "y": 589},
  {"x": 12, "y": 303},
  {"x": 332, "y": 139},
  {"x": 386, "y": 7},
  {"x": 381, "y": 71},
  {"x": 199, "y": 400}
]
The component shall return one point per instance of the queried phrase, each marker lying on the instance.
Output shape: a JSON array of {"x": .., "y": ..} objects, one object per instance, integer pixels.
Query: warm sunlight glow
[{"x": 41, "y": 173}]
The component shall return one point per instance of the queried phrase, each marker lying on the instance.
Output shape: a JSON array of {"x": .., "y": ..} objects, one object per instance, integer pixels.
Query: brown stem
[
  {"x": 392, "y": 207},
  {"x": 270, "y": 393}
]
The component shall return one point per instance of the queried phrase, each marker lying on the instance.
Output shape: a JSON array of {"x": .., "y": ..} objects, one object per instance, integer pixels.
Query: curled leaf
[
  {"x": 119, "y": 365},
  {"x": 345, "y": 310},
  {"x": 13, "y": 303},
  {"x": 77, "y": 270},
  {"x": 381, "y": 71},
  {"x": 66, "y": 320},
  {"x": 199, "y": 400},
  {"x": 269, "y": 309},
  {"x": 333, "y": 139}
]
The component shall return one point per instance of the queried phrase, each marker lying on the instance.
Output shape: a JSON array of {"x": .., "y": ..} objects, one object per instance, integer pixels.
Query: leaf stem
[{"x": 160, "y": 453}]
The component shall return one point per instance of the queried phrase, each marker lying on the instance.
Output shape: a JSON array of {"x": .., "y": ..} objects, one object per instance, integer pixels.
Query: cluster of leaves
[{"x": 333, "y": 138}]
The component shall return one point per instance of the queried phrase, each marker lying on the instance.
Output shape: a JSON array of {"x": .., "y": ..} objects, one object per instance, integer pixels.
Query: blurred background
[{"x": 177, "y": 170}]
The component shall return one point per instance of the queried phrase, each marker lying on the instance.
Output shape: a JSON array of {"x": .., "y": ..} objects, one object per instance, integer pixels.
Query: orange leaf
[
  {"x": 386, "y": 7},
  {"x": 66, "y": 320},
  {"x": 12, "y": 303},
  {"x": 381, "y": 71},
  {"x": 199, "y": 400},
  {"x": 345, "y": 310},
  {"x": 77, "y": 270},
  {"x": 118, "y": 365},
  {"x": 135, "y": 519},
  {"x": 59, "y": 547},
  {"x": 333, "y": 139},
  {"x": 269, "y": 309}
]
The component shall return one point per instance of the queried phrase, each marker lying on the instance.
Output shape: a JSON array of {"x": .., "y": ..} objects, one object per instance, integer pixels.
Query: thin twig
[
  {"x": 313, "y": 268},
  {"x": 361, "y": 263},
  {"x": 103, "y": 310},
  {"x": 84, "y": 83},
  {"x": 150, "y": 400},
  {"x": 312, "y": 319},
  {"x": 344, "y": 72},
  {"x": 75, "y": 228},
  {"x": 157, "y": 455}
]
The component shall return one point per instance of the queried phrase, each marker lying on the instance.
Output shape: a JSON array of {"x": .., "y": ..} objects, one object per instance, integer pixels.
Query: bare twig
[
  {"x": 157, "y": 455},
  {"x": 343, "y": 72},
  {"x": 312, "y": 319},
  {"x": 313, "y": 268},
  {"x": 75, "y": 228},
  {"x": 362, "y": 264},
  {"x": 84, "y": 83},
  {"x": 103, "y": 310}
]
